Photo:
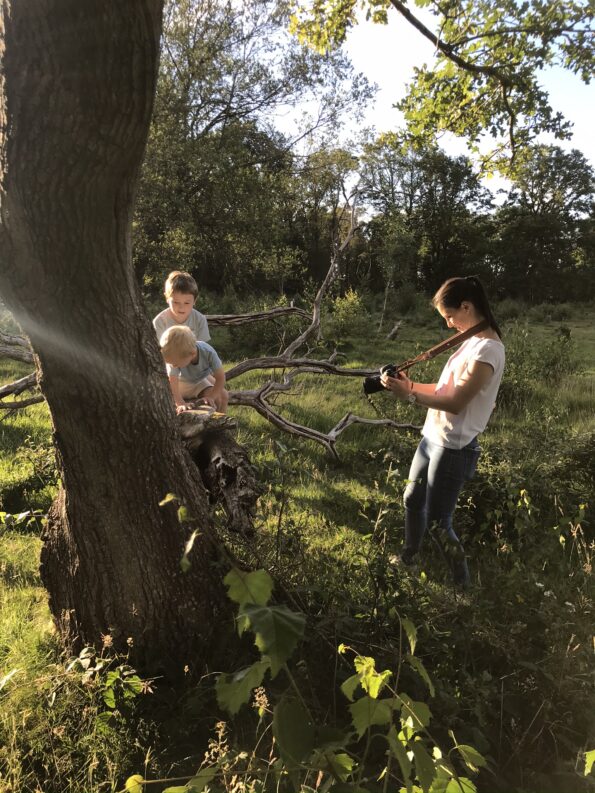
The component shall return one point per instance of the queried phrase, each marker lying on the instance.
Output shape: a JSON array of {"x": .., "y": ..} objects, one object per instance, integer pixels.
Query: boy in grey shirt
[{"x": 180, "y": 293}]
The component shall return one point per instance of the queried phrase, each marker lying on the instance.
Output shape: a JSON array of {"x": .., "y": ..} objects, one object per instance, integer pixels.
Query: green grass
[{"x": 512, "y": 665}]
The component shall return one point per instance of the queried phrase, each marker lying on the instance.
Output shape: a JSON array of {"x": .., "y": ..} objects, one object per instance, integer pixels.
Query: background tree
[
  {"x": 218, "y": 176},
  {"x": 543, "y": 250}
]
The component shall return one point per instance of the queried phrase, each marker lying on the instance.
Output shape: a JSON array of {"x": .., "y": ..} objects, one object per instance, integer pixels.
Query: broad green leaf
[
  {"x": 589, "y": 761},
  {"x": 416, "y": 664},
  {"x": 234, "y": 690},
  {"x": 277, "y": 631},
  {"x": 254, "y": 587},
  {"x": 411, "y": 632},
  {"x": 460, "y": 785},
  {"x": 348, "y": 687},
  {"x": 418, "y": 712},
  {"x": 176, "y": 789},
  {"x": 331, "y": 738},
  {"x": 198, "y": 783},
  {"x": 372, "y": 681},
  {"x": 400, "y": 752},
  {"x": 109, "y": 697},
  {"x": 368, "y": 711},
  {"x": 134, "y": 784},
  {"x": 342, "y": 764},
  {"x": 424, "y": 765},
  {"x": 473, "y": 759},
  {"x": 293, "y": 730}
]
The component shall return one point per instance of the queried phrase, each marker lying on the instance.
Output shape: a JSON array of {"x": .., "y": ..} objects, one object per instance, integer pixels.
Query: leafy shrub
[
  {"x": 349, "y": 316},
  {"x": 510, "y": 309},
  {"x": 529, "y": 360},
  {"x": 550, "y": 312}
]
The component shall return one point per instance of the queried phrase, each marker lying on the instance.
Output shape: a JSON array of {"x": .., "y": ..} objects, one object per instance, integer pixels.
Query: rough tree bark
[{"x": 78, "y": 79}]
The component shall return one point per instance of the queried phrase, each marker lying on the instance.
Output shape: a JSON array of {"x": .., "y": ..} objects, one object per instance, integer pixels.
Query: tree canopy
[{"x": 488, "y": 58}]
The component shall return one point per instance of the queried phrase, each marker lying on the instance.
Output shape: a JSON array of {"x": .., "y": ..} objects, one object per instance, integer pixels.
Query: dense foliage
[{"x": 230, "y": 195}]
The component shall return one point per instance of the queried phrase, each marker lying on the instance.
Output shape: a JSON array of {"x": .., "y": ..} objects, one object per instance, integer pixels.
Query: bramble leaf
[
  {"x": 253, "y": 587},
  {"x": 424, "y": 765},
  {"x": 198, "y": 783},
  {"x": 277, "y": 631},
  {"x": 411, "y": 632},
  {"x": 421, "y": 671},
  {"x": 372, "y": 681},
  {"x": 400, "y": 752},
  {"x": 418, "y": 712},
  {"x": 460, "y": 784},
  {"x": 473, "y": 759},
  {"x": 234, "y": 690},
  {"x": 293, "y": 730},
  {"x": 368, "y": 711}
]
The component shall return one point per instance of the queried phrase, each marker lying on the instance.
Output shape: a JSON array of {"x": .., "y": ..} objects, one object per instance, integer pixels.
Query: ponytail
[{"x": 456, "y": 290}]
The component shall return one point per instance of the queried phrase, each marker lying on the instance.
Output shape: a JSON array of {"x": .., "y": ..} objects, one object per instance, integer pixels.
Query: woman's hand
[{"x": 400, "y": 385}]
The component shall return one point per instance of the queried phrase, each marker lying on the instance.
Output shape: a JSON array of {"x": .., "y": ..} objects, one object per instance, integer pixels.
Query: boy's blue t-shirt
[{"x": 208, "y": 362}]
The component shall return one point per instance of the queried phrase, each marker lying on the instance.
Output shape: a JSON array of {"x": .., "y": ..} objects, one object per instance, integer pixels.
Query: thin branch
[
  {"x": 282, "y": 362},
  {"x": 219, "y": 320},
  {"x": 447, "y": 49}
]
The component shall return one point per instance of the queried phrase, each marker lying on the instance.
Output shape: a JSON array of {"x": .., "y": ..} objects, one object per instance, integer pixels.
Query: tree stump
[{"x": 224, "y": 465}]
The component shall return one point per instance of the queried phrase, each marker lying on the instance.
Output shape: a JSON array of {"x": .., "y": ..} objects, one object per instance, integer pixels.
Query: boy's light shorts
[{"x": 193, "y": 390}]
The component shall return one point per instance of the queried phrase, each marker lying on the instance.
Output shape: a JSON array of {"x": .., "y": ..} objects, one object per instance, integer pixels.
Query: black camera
[{"x": 373, "y": 384}]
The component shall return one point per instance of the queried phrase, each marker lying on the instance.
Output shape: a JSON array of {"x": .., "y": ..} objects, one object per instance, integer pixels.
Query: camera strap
[
  {"x": 427, "y": 355},
  {"x": 445, "y": 345}
]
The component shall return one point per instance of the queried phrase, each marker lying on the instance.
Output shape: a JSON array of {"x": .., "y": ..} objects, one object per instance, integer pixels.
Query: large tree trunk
[{"x": 78, "y": 79}]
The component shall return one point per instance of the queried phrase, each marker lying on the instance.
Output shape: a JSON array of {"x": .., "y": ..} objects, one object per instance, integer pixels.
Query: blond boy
[
  {"x": 180, "y": 293},
  {"x": 194, "y": 369}
]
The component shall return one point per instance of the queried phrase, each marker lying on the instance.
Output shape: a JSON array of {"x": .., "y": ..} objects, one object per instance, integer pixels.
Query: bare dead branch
[
  {"x": 281, "y": 362},
  {"x": 218, "y": 320},
  {"x": 18, "y": 386},
  {"x": 258, "y": 398},
  {"x": 22, "y": 403},
  {"x": 15, "y": 347},
  {"x": 331, "y": 276},
  {"x": 15, "y": 341}
]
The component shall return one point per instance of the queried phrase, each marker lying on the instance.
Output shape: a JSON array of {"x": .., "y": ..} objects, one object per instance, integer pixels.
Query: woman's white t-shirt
[{"x": 457, "y": 430}]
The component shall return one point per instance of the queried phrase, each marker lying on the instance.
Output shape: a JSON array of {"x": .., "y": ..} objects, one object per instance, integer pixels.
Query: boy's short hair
[
  {"x": 179, "y": 281},
  {"x": 178, "y": 340}
]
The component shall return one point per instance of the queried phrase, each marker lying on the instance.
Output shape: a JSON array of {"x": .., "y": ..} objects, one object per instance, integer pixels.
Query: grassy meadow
[{"x": 510, "y": 661}]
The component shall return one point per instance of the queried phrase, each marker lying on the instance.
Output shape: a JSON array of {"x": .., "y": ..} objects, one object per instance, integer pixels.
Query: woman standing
[{"x": 460, "y": 405}]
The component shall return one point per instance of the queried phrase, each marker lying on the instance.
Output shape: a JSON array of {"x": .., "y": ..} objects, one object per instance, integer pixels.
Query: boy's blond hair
[
  {"x": 177, "y": 341},
  {"x": 179, "y": 281}
]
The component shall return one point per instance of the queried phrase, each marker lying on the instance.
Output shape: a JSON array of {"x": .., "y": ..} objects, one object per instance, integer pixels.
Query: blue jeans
[{"x": 436, "y": 477}]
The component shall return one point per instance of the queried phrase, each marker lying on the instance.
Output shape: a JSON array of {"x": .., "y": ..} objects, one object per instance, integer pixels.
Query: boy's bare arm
[
  {"x": 219, "y": 377},
  {"x": 174, "y": 384}
]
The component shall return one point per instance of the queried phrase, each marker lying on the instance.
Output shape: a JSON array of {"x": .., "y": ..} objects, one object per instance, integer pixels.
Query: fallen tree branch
[
  {"x": 282, "y": 362},
  {"x": 18, "y": 386},
  {"x": 15, "y": 347},
  {"x": 220, "y": 320},
  {"x": 258, "y": 398},
  {"x": 22, "y": 403}
]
